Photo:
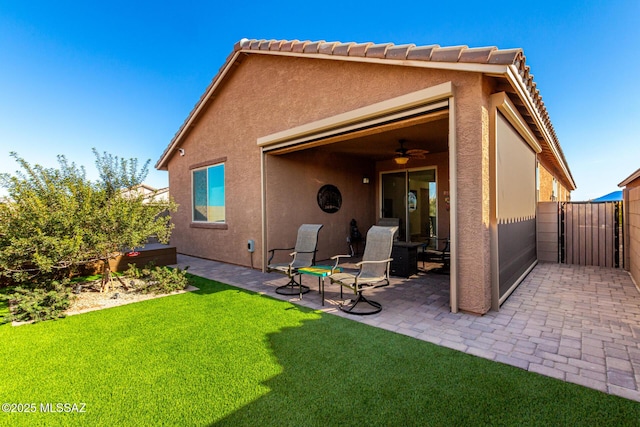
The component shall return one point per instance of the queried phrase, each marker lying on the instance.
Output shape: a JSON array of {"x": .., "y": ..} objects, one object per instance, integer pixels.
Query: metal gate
[{"x": 591, "y": 233}]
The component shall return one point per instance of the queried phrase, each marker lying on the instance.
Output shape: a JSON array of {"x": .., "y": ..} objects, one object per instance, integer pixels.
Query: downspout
[{"x": 263, "y": 198}]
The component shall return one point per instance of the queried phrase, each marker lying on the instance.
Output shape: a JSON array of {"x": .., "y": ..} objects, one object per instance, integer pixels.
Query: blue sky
[{"x": 123, "y": 76}]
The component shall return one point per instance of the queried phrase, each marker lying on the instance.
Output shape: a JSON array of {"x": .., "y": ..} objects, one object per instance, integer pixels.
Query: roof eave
[
  {"x": 492, "y": 69},
  {"x": 630, "y": 179},
  {"x": 513, "y": 76}
]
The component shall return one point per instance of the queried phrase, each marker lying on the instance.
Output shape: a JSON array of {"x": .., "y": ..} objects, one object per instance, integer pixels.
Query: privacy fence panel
[
  {"x": 547, "y": 217},
  {"x": 591, "y": 233}
]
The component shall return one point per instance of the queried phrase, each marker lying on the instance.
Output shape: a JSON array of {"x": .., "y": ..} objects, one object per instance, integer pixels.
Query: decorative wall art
[{"x": 329, "y": 198}]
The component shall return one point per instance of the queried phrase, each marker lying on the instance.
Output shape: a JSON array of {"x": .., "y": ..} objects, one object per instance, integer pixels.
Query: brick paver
[{"x": 579, "y": 324}]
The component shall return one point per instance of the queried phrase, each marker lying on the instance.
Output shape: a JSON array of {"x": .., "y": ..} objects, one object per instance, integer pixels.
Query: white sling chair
[
  {"x": 304, "y": 255},
  {"x": 374, "y": 269}
]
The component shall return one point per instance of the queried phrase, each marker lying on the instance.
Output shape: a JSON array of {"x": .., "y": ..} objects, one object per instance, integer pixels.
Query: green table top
[{"x": 318, "y": 270}]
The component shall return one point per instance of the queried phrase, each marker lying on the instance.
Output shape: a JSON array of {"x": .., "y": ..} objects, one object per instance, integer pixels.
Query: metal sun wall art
[{"x": 329, "y": 198}]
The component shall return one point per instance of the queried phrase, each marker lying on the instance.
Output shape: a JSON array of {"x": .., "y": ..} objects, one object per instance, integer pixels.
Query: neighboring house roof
[
  {"x": 508, "y": 64},
  {"x": 148, "y": 192},
  {"x": 630, "y": 179},
  {"x": 614, "y": 196}
]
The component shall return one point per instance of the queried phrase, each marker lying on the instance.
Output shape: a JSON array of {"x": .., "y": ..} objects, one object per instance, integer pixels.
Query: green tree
[
  {"x": 117, "y": 174},
  {"x": 55, "y": 220}
]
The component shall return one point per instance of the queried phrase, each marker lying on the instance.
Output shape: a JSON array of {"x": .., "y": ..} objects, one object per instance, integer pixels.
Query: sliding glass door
[{"x": 410, "y": 196}]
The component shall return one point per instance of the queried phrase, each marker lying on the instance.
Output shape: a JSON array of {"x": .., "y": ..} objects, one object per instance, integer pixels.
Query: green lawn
[{"x": 231, "y": 357}]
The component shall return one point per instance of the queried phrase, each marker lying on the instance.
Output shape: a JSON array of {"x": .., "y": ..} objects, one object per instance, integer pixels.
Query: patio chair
[
  {"x": 390, "y": 222},
  {"x": 304, "y": 255},
  {"x": 441, "y": 255},
  {"x": 374, "y": 270}
]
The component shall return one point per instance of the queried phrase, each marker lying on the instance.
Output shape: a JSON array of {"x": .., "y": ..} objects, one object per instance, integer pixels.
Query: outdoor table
[{"x": 320, "y": 271}]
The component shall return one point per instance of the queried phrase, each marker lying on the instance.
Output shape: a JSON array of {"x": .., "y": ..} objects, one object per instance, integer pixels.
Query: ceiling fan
[{"x": 403, "y": 154}]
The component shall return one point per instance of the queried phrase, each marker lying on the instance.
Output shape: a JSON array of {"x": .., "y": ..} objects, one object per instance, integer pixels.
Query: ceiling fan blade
[{"x": 417, "y": 153}]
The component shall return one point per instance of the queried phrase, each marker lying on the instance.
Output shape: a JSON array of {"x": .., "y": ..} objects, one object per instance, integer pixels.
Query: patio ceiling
[
  {"x": 382, "y": 144},
  {"x": 374, "y": 141}
]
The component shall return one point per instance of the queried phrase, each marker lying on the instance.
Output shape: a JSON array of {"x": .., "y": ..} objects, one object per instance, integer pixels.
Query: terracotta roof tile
[
  {"x": 299, "y": 47},
  {"x": 421, "y": 53},
  {"x": 342, "y": 49},
  {"x": 479, "y": 54},
  {"x": 378, "y": 50},
  {"x": 275, "y": 45},
  {"x": 359, "y": 49},
  {"x": 255, "y": 44},
  {"x": 313, "y": 47},
  {"x": 327, "y": 48},
  {"x": 399, "y": 51},
  {"x": 447, "y": 54},
  {"x": 507, "y": 56},
  {"x": 287, "y": 45}
]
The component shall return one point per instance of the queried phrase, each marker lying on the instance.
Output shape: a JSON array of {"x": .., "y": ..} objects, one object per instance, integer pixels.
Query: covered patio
[
  {"x": 574, "y": 323},
  {"x": 450, "y": 142}
]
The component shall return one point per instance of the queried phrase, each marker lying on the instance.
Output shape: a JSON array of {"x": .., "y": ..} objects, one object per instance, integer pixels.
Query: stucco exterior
[
  {"x": 268, "y": 194},
  {"x": 546, "y": 193}
]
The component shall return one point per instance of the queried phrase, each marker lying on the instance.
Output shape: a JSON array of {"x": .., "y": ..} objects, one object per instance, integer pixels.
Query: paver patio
[{"x": 575, "y": 323}]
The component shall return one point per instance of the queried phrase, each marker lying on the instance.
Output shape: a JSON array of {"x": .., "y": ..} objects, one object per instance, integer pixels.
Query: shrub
[
  {"x": 37, "y": 304},
  {"x": 159, "y": 280},
  {"x": 56, "y": 221}
]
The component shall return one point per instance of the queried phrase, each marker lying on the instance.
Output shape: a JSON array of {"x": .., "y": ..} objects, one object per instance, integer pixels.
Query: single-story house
[
  {"x": 149, "y": 193},
  {"x": 454, "y": 142}
]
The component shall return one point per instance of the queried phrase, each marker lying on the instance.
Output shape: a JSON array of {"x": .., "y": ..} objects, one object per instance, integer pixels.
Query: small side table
[{"x": 320, "y": 271}]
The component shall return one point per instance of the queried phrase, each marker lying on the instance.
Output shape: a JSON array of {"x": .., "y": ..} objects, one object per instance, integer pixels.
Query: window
[{"x": 208, "y": 194}]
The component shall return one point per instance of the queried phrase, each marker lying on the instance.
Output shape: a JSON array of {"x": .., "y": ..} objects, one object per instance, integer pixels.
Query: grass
[{"x": 231, "y": 357}]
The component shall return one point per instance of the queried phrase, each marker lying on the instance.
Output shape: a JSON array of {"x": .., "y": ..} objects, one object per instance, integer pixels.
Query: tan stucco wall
[
  {"x": 268, "y": 94},
  {"x": 545, "y": 184},
  {"x": 293, "y": 182},
  {"x": 546, "y": 187}
]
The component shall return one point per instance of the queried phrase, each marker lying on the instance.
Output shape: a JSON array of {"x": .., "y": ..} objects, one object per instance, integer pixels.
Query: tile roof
[
  {"x": 483, "y": 55},
  {"x": 407, "y": 52}
]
